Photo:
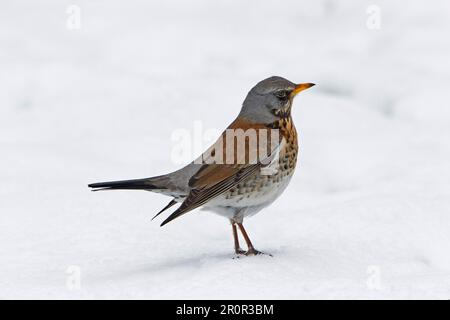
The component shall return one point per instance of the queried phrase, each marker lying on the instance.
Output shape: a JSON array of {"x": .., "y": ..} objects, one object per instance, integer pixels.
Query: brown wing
[
  {"x": 198, "y": 197},
  {"x": 214, "y": 179}
]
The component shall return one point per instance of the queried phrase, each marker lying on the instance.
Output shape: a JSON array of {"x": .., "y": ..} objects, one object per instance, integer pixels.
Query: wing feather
[{"x": 198, "y": 197}]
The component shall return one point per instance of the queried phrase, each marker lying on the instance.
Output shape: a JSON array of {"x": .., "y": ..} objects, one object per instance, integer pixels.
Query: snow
[{"x": 367, "y": 214}]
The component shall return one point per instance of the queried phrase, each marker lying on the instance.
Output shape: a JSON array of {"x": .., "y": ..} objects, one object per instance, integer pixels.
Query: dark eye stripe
[{"x": 282, "y": 94}]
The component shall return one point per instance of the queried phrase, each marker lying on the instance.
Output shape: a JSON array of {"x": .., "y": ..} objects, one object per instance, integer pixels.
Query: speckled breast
[{"x": 264, "y": 187}]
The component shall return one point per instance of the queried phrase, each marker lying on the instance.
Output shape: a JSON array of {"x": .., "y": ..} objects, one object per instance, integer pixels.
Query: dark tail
[
  {"x": 160, "y": 184},
  {"x": 137, "y": 184}
]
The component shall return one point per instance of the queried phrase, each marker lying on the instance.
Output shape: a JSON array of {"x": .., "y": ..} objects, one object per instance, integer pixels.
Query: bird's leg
[
  {"x": 251, "y": 250},
  {"x": 237, "y": 248}
]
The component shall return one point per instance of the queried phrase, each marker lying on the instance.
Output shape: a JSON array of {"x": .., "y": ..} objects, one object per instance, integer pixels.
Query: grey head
[{"x": 271, "y": 99}]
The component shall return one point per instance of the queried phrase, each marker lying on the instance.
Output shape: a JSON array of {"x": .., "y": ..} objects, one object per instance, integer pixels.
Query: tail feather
[
  {"x": 136, "y": 184},
  {"x": 159, "y": 184}
]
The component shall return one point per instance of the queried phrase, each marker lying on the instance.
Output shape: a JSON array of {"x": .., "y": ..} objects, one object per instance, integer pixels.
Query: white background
[{"x": 367, "y": 214}]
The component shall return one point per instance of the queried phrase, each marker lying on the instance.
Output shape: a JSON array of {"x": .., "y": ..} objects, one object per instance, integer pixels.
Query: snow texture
[{"x": 367, "y": 214}]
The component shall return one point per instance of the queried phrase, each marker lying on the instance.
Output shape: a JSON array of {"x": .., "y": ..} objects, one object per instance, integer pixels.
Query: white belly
[{"x": 247, "y": 204}]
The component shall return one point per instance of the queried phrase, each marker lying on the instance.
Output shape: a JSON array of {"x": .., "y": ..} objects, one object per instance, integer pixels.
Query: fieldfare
[{"x": 248, "y": 167}]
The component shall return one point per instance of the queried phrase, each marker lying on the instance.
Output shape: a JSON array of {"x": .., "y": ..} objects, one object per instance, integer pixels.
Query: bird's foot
[
  {"x": 254, "y": 252},
  {"x": 238, "y": 253}
]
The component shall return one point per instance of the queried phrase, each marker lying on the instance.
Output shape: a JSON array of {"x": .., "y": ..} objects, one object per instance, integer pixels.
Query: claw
[{"x": 254, "y": 252}]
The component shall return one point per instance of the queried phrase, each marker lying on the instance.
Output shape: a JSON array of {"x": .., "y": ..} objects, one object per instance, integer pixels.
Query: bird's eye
[{"x": 282, "y": 94}]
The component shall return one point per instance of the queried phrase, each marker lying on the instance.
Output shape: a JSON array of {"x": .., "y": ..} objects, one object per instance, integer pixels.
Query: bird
[{"x": 239, "y": 175}]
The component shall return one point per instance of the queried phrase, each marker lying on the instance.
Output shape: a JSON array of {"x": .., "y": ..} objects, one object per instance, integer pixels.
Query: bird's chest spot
[
  {"x": 289, "y": 146},
  {"x": 266, "y": 187}
]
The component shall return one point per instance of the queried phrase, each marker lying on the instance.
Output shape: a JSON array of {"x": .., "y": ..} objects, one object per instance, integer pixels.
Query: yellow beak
[{"x": 301, "y": 87}]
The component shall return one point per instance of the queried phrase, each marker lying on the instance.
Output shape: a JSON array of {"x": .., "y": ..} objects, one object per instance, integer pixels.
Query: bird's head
[{"x": 271, "y": 99}]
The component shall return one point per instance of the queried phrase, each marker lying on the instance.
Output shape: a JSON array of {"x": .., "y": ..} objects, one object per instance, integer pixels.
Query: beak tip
[{"x": 303, "y": 86}]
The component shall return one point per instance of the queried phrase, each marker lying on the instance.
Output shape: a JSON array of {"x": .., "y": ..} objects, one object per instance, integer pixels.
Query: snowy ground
[{"x": 367, "y": 214}]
